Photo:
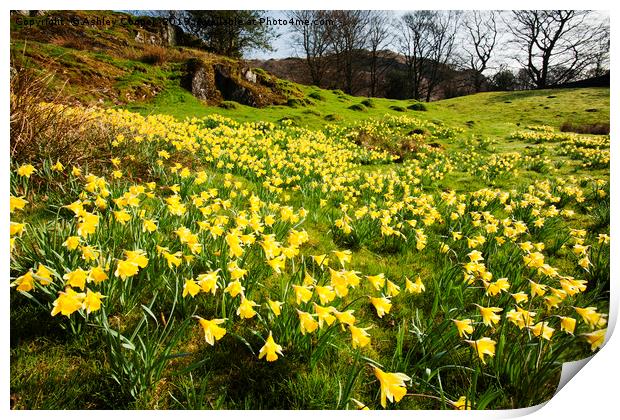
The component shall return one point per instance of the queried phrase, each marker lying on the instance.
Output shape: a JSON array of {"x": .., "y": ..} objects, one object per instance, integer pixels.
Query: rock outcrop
[
  {"x": 165, "y": 34},
  {"x": 230, "y": 81}
]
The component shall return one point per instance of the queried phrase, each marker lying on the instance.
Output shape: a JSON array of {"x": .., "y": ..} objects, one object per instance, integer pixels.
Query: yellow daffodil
[
  {"x": 520, "y": 297},
  {"x": 462, "y": 403},
  {"x": 393, "y": 386},
  {"x": 44, "y": 275},
  {"x": 68, "y": 302},
  {"x": 234, "y": 288},
  {"x": 343, "y": 256},
  {"x": 246, "y": 308},
  {"x": 302, "y": 293},
  {"x": 97, "y": 275},
  {"x": 25, "y": 283},
  {"x": 191, "y": 287},
  {"x": 392, "y": 289},
  {"x": 270, "y": 349},
  {"x": 415, "y": 288},
  {"x": 58, "y": 167},
  {"x": 212, "y": 330},
  {"x": 126, "y": 269},
  {"x": 377, "y": 281},
  {"x": 208, "y": 282},
  {"x": 542, "y": 329},
  {"x": 498, "y": 286},
  {"x": 275, "y": 306},
  {"x": 592, "y": 317},
  {"x": 324, "y": 314},
  {"x": 489, "y": 315},
  {"x": 359, "y": 336},
  {"x": 382, "y": 305},
  {"x": 307, "y": 323},
  {"x": 464, "y": 327},
  {"x": 568, "y": 324},
  {"x": 92, "y": 301},
  {"x": 484, "y": 347},
  {"x": 325, "y": 293},
  {"x": 26, "y": 170},
  {"x": 76, "y": 278},
  {"x": 595, "y": 338},
  {"x": 17, "y": 203}
]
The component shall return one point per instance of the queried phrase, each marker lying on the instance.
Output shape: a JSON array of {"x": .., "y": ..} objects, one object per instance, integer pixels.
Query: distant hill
[
  {"x": 600, "y": 81},
  {"x": 392, "y": 71}
]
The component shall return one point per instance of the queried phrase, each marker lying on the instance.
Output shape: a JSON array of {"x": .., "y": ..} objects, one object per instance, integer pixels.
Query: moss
[
  {"x": 418, "y": 106},
  {"x": 357, "y": 107},
  {"x": 316, "y": 95},
  {"x": 333, "y": 117},
  {"x": 368, "y": 103},
  {"x": 229, "y": 105}
]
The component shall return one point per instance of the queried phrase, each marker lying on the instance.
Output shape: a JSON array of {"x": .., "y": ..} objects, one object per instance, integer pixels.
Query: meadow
[{"x": 335, "y": 253}]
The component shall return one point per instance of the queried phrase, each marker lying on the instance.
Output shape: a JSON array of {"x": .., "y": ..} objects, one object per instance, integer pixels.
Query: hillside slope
[
  {"x": 155, "y": 69},
  {"x": 97, "y": 57}
]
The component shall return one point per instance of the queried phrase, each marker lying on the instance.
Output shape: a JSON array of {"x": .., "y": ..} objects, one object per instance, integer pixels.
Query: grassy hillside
[
  {"x": 490, "y": 117},
  {"x": 118, "y": 64},
  {"x": 112, "y": 68},
  {"x": 476, "y": 113}
]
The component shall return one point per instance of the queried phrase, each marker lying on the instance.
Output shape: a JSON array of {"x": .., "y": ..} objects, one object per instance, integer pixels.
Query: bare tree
[
  {"x": 557, "y": 45},
  {"x": 347, "y": 39},
  {"x": 601, "y": 60},
  {"x": 313, "y": 39},
  {"x": 481, "y": 29},
  {"x": 426, "y": 40},
  {"x": 442, "y": 33},
  {"x": 414, "y": 45},
  {"x": 379, "y": 37}
]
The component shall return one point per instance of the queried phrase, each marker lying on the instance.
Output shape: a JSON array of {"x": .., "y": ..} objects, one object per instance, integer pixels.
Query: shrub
[
  {"x": 229, "y": 105},
  {"x": 75, "y": 42},
  {"x": 368, "y": 103},
  {"x": 290, "y": 120},
  {"x": 397, "y": 108},
  {"x": 154, "y": 55},
  {"x": 333, "y": 117},
  {"x": 417, "y": 131},
  {"x": 591, "y": 128},
  {"x": 418, "y": 106},
  {"x": 43, "y": 128},
  {"x": 317, "y": 96},
  {"x": 294, "y": 102},
  {"x": 357, "y": 107}
]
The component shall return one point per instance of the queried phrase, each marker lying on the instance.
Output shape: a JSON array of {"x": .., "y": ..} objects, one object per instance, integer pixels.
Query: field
[{"x": 328, "y": 254}]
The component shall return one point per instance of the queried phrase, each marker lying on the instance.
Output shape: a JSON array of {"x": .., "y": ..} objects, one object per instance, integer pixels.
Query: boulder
[
  {"x": 199, "y": 79},
  {"x": 231, "y": 89},
  {"x": 226, "y": 80},
  {"x": 248, "y": 74}
]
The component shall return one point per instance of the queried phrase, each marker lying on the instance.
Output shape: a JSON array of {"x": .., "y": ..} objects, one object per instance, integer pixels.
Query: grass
[
  {"x": 221, "y": 382},
  {"x": 469, "y": 144},
  {"x": 476, "y": 114}
]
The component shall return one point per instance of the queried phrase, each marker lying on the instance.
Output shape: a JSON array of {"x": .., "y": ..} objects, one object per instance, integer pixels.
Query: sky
[{"x": 283, "y": 47}]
